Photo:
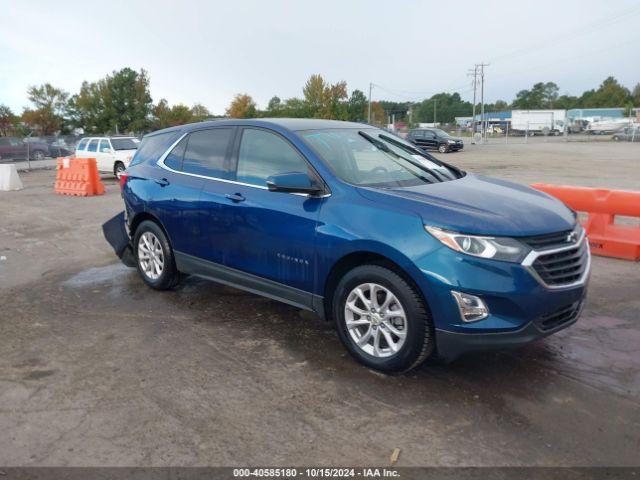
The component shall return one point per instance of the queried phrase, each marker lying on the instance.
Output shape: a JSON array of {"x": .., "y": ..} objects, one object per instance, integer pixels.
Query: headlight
[
  {"x": 451, "y": 141},
  {"x": 497, "y": 248}
]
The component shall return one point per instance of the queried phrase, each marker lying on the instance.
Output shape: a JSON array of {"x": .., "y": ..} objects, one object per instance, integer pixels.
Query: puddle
[{"x": 99, "y": 276}]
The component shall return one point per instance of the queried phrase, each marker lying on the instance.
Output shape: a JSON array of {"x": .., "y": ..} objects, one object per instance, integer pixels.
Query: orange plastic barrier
[
  {"x": 606, "y": 238},
  {"x": 78, "y": 176}
]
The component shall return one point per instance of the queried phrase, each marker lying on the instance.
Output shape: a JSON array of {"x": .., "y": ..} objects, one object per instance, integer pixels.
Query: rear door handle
[
  {"x": 163, "y": 182},
  {"x": 235, "y": 197}
]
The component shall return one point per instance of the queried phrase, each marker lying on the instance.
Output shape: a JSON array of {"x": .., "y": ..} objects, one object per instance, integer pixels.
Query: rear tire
[
  {"x": 390, "y": 353},
  {"x": 154, "y": 257}
]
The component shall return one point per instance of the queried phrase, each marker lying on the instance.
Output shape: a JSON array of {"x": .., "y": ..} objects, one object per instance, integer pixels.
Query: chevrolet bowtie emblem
[{"x": 572, "y": 237}]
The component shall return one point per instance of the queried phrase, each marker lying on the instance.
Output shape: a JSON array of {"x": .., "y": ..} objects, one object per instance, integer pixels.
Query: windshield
[
  {"x": 375, "y": 158},
  {"x": 125, "y": 143}
]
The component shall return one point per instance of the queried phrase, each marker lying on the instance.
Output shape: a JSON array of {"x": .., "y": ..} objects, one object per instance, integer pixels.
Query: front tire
[
  {"x": 118, "y": 169},
  {"x": 382, "y": 320},
  {"x": 443, "y": 148},
  {"x": 154, "y": 257},
  {"x": 38, "y": 155}
]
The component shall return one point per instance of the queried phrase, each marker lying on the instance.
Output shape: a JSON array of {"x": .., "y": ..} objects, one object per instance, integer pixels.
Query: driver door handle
[{"x": 235, "y": 197}]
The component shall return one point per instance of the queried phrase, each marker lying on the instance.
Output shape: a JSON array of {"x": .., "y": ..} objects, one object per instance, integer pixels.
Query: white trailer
[{"x": 538, "y": 122}]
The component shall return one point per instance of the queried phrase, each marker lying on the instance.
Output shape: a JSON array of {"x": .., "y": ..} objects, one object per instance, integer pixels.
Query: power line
[{"x": 553, "y": 41}]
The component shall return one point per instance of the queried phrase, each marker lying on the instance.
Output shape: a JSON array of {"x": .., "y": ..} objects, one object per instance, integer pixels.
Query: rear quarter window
[
  {"x": 83, "y": 144},
  {"x": 153, "y": 146}
]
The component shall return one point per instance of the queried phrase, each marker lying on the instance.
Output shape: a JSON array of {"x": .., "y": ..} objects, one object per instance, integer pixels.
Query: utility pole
[
  {"x": 369, "y": 115},
  {"x": 435, "y": 102},
  {"x": 475, "y": 84},
  {"x": 483, "y": 127}
]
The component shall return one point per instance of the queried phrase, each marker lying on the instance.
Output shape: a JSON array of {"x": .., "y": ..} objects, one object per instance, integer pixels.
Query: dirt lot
[{"x": 96, "y": 369}]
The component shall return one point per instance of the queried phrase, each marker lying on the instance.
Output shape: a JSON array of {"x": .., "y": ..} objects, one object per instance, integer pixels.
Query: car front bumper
[
  {"x": 451, "y": 345},
  {"x": 521, "y": 307}
]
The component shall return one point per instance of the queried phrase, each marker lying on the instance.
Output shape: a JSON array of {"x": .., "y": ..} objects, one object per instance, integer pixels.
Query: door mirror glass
[{"x": 294, "y": 182}]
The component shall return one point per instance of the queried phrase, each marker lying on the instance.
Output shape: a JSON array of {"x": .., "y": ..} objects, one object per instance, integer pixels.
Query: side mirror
[{"x": 294, "y": 182}]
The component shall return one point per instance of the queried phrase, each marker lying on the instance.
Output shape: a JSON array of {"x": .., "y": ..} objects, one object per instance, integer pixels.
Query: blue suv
[{"x": 410, "y": 257}]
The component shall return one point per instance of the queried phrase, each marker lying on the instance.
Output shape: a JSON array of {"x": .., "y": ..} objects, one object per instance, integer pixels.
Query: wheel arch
[
  {"x": 140, "y": 217},
  {"x": 354, "y": 259}
]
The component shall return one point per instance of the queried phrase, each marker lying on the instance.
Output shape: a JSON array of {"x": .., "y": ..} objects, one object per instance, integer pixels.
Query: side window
[
  {"x": 93, "y": 145},
  {"x": 417, "y": 134},
  {"x": 263, "y": 154},
  {"x": 206, "y": 152},
  {"x": 82, "y": 145},
  {"x": 174, "y": 159},
  {"x": 153, "y": 146},
  {"x": 104, "y": 143}
]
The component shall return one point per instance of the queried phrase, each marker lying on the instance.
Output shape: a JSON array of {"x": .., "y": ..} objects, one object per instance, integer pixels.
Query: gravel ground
[{"x": 96, "y": 369}]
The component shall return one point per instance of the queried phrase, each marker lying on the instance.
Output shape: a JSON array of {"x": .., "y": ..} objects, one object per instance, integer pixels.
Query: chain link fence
[{"x": 33, "y": 148}]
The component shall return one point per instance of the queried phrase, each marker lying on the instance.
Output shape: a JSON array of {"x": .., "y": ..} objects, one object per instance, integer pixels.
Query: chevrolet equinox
[{"x": 409, "y": 256}]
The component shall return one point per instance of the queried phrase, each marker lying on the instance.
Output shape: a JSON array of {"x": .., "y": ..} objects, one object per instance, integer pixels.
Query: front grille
[
  {"x": 560, "y": 317},
  {"x": 563, "y": 267},
  {"x": 550, "y": 240}
]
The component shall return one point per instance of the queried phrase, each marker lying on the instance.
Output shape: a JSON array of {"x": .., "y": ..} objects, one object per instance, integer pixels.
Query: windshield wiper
[
  {"x": 385, "y": 148},
  {"x": 422, "y": 153},
  {"x": 380, "y": 145}
]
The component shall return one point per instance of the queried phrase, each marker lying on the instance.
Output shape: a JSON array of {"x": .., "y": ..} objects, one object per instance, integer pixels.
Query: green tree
[
  {"x": 609, "y": 94},
  {"x": 447, "y": 107},
  {"x": 7, "y": 121},
  {"x": 333, "y": 101},
  {"x": 294, "y": 108},
  {"x": 199, "y": 113},
  {"x": 49, "y": 108},
  {"x": 165, "y": 116},
  {"x": 541, "y": 96},
  {"x": 635, "y": 95},
  {"x": 314, "y": 94},
  {"x": 378, "y": 114},
  {"x": 274, "y": 106},
  {"x": 566, "y": 102},
  {"x": 357, "y": 105},
  {"x": 500, "y": 106},
  {"x": 242, "y": 106},
  {"x": 119, "y": 102}
]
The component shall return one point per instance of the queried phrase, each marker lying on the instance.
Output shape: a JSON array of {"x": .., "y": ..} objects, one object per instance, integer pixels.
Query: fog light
[{"x": 471, "y": 308}]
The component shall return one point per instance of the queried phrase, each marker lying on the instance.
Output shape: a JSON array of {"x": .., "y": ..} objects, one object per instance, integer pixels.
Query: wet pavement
[{"x": 97, "y": 369}]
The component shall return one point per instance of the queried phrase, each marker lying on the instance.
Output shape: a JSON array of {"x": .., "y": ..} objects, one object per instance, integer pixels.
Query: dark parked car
[
  {"x": 59, "y": 148},
  {"x": 15, "y": 148},
  {"x": 435, "y": 139},
  {"x": 409, "y": 256},
  {"x": 627, "y": 134}
]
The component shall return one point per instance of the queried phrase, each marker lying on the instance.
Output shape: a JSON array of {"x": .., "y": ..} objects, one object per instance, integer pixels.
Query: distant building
[
  {"x": 463, "y": 121},
  {"x": 492, "y": 118},
  {"x": 595, "y": 113}
]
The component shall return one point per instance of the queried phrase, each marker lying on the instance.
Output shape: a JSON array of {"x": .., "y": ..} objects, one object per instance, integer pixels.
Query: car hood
[{"x": 479, "y": 205}]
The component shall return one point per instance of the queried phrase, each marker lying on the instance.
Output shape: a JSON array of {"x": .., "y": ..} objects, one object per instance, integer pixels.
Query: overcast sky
[{"x": 207, "y": 51}]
